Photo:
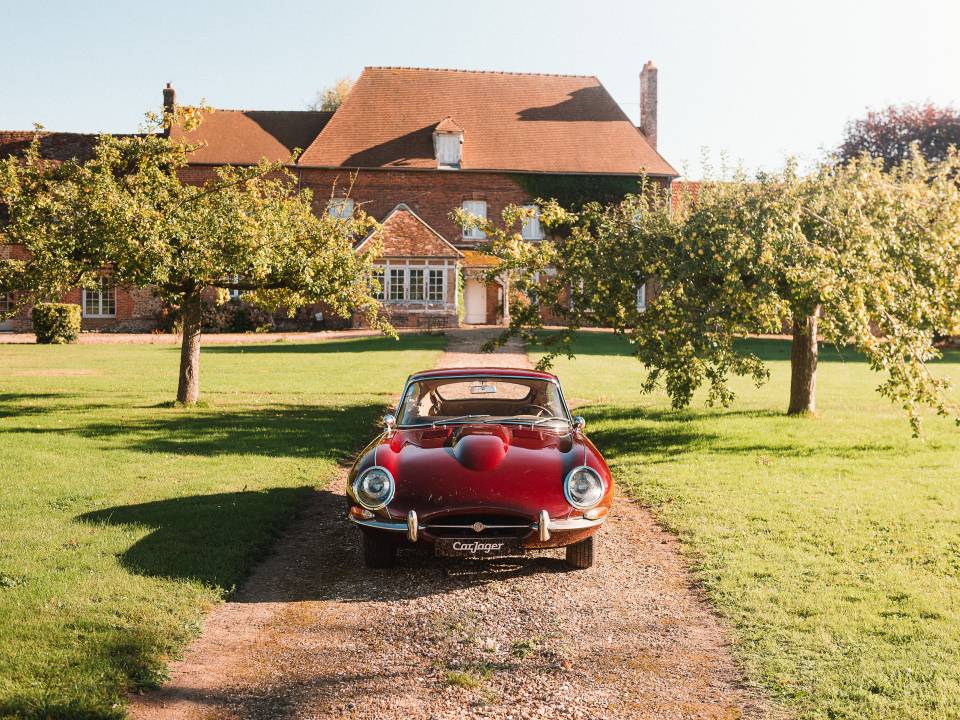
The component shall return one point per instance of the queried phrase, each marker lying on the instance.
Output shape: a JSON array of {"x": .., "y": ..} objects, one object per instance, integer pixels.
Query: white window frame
[
  {"x": 531, "y": 228},
  {"x": 443, "y": 285},
  {"x": 104, "y": 286},
  {"x": 341, "y": 208},
  {"x": 449, "y": 149},
  {"x": 422, "y": 271},
  {"x": 403, "y": 271},
  {"x": 233, "y": 292},
  {"x": 642, "y": 297},
  {"x": 402, "y": 297},
  {"x": 479, "y": 209}
]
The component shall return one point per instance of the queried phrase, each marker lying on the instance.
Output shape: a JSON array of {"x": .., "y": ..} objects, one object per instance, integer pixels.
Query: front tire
[
  {"x": 580, "y": 555},
  {"x": 378, "y": 551}
]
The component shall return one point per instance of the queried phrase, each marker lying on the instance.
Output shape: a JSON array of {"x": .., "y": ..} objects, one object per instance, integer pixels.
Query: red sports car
[{"x": 480, "y": 463}]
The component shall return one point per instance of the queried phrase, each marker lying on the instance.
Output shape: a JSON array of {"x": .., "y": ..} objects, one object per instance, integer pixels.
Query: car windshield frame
[{"x": 482, "y": 419}]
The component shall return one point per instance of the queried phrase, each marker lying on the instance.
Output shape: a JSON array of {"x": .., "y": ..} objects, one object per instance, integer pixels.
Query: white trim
[
  {"x": 404, "y": 206},
  {"x": 528, "y": 223},
  {"x": 404, "y": 268},
  {"x": 474, "y": 233},
  {"x": 642, "y": 298},
  {"x": 99, "y": 292}
]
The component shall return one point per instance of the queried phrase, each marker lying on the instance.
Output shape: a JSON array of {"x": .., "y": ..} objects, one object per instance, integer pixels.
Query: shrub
[{"x": 56, "y": 323}]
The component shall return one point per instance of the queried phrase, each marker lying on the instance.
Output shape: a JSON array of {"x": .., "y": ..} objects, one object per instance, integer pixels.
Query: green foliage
[
  {"x": 878, "y": 253},
  {"x": 123, "y": 523},
  {"x": 332, "y": 97},
  {"x": 829, "y": 546},
  {"x": 461, "y": 305},
  {"x": 56, "y": 323},
  {"x": 248, "y": 228},
  {"x": 574, "y": 191}
]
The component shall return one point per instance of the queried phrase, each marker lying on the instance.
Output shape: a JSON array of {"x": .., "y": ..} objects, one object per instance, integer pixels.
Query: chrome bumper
[{"x": 544, "y": 525}]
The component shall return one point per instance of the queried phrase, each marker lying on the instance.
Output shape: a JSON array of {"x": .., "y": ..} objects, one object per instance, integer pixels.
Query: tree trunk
[
  {"x": 188, "y": 391},
  {"x": 803, "y": 365}
]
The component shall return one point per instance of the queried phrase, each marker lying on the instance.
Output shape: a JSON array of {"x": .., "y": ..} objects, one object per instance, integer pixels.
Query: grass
[
  {"x": 466, "y": 680},
  {"x": 123, "y": 518},
  {"x": 831, "y": 543}
]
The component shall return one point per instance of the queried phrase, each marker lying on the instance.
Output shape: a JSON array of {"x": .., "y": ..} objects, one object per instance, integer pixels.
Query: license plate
[{"x": 490, "y": 547}]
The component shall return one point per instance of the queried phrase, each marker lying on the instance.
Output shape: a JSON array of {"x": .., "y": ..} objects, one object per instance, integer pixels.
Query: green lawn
[
  {"x": 122, "y": 520},
  {"x": 832, "y": 544}
]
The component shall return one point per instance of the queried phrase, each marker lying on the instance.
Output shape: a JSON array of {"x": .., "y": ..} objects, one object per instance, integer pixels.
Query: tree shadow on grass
[
  {"x": 213, "y": 539},
  {"x": 275, "y": 431},
  {"x": 216, "y": 538},
  {"x": 326, "y": 347},
  {"x": 767, "y": 349},
  {"x": 663, "y": 435},
  {"x": 14, "y": 404}
]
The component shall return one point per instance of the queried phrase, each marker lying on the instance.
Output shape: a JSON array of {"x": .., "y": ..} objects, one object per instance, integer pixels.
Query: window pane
[
  {"x": 435, "y": 286},
  {"x": 396, "y": 283},
  {"x": 478, "y": 208},
  {"x": 642, "y": 297},
  {"x": 108, "y": 297},
  {"x": 531, "y": 226},
  {"x": 416, "y": 285},
  {"x": 341, "y": 208},
  {"x": 91, "y": 302},
  {"x": 234, "y": 292}
]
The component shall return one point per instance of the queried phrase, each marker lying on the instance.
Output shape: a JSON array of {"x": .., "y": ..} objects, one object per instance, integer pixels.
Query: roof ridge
[
  {"x": 246, "y": 110},
  {"x": 45, "y": 131},
  {"x": 478, "y": 72}
]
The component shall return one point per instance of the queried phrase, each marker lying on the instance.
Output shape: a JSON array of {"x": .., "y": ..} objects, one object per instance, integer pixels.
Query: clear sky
[{"x": 752, "y": 80}]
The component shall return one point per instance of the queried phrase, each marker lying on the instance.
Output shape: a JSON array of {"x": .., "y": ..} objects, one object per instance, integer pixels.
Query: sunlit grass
[
  {"x": 123, "y": 519},
  {"x": 831, "y": 543}
]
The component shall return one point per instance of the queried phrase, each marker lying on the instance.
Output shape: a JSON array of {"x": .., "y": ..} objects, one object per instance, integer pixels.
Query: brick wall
[{"x": 432, "y": 195}]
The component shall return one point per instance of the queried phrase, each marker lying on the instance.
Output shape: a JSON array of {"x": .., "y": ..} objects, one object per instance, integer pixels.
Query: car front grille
[{"x": 478, "y": 526}]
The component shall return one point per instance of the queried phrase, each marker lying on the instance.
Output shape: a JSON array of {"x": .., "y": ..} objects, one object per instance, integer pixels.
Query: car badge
[{"x": 479, "y": 527}]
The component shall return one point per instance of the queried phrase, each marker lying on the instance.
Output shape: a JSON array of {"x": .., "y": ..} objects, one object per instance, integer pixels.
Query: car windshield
[{"x": 479, "y": 399}]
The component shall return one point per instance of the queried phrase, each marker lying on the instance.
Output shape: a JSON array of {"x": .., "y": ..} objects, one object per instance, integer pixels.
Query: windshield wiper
[
  {"x": 459, "y": 418},
  {"x": 549, "y": 418}
]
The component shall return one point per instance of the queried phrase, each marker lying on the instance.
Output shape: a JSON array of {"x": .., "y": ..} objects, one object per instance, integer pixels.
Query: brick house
[{"x": 409, "y": 146}]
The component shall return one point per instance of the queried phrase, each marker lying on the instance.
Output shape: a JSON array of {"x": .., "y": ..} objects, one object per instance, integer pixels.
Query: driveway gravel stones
[{"x": 314, "y": 634}]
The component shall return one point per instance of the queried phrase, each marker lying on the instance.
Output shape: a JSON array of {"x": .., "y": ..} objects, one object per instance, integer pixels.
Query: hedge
[{"x": 56, "y": 323}]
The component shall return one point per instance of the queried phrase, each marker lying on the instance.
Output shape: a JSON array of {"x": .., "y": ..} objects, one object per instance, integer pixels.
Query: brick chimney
[
  {"x": 648, "y": 102},
  {"x": 169, "y": 103}
]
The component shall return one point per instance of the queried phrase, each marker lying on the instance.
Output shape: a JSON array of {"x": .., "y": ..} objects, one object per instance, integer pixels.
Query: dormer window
[{"x": 448, "y": 143}]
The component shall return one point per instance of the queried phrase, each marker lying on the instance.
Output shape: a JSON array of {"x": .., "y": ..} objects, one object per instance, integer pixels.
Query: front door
[{"x": 474, "y": 302}]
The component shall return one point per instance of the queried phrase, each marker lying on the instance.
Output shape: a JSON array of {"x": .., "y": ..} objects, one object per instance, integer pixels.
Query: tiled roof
[
  {"x": 57, "y": 146},
  {"x": 477, "y": 259},
  {"x": 511, "y": 122},
  {"x": 404, "y": 234},
  {"x": 683, "y": 192},
  {"x": 448, "y": 125},
  {"x": 245, "y": 137}
]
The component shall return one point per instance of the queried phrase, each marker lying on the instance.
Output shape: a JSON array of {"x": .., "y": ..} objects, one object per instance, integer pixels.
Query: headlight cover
[
  {"x": 374, "y": 487},
  {"x": 583, "y": 487}
]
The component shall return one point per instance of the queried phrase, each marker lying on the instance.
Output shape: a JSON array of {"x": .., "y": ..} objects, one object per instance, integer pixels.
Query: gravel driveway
[{"x": 315, "y": 635}]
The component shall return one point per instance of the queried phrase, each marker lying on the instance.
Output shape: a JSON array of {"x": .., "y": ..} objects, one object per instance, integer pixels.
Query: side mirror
[
  {"x": 389, "y": 422},
  {"x": 579, "y": 423}
]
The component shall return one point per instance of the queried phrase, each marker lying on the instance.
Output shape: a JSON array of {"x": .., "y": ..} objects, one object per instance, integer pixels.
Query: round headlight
[
  {"x": 583, "y": 487},
  {"x": 374, "y": 487}
]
